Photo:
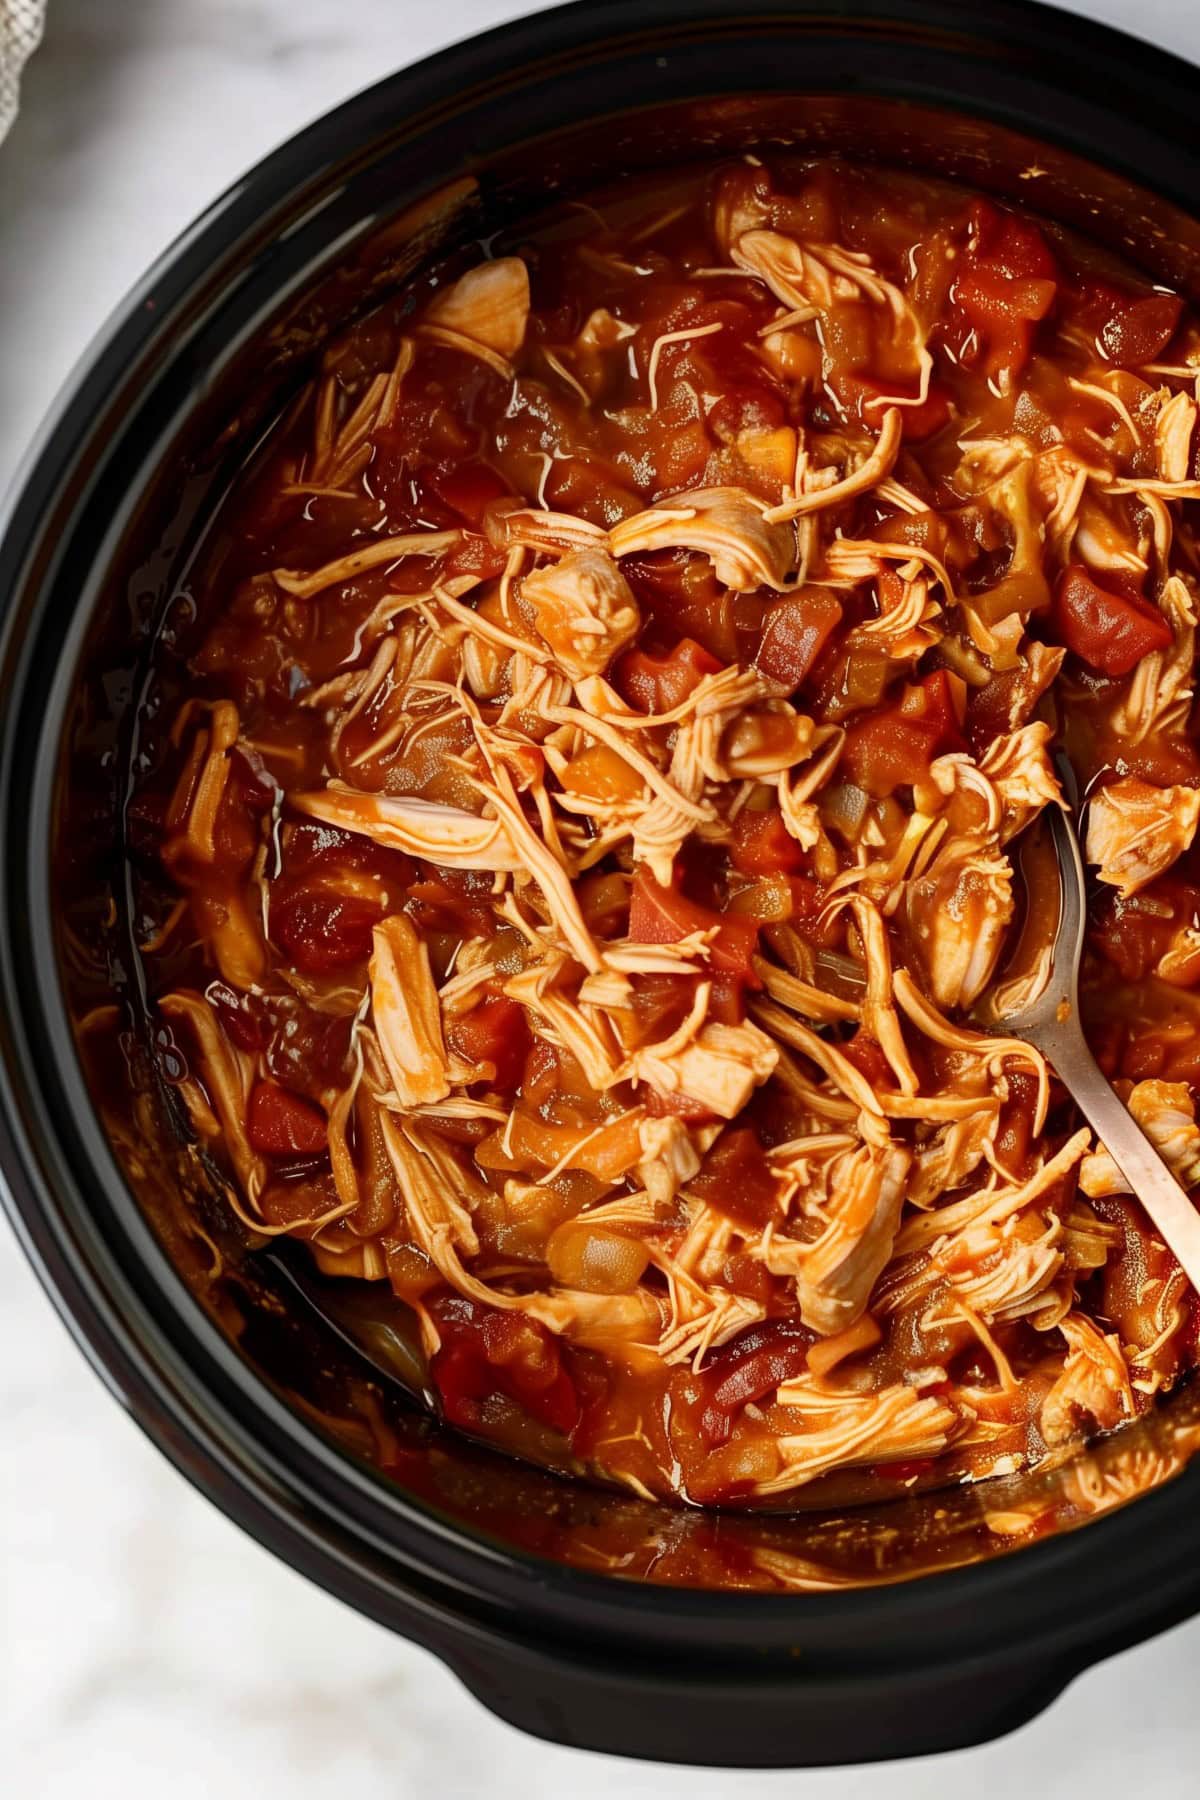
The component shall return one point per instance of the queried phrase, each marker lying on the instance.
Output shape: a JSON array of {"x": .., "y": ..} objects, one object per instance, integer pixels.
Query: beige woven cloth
[{"x": 20, "y": 35}]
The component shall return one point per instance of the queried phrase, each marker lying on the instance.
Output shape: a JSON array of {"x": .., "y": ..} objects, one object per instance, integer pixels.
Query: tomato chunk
[
  {"x": 763, "y": 845},
  {"x": 894, "y": 748},
  {"x": 467, "y": 488},
  {"x": 660, "y": 915},
  {"x": 1129, "y": 329},
  {"x": 1112, "y": 632},
  {"x": 655, "y": 684},
  {"x": 795, "y": 631},
  {"x": 1007, "y": 282},
  {"x": 322, "y": 930},
  {"x": 748, "y": 1368},
  {"x": 735, "y": 1178},
  {"x": 280, "y": 1123},
  {"x": 494, "y": 1032},
  {"x": 487, "y": 1352},
  {"x": 866, "y": 1055}
]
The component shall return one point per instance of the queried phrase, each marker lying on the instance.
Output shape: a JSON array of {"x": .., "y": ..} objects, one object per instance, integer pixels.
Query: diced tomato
[
  {"x": 453, "y": 900},
  {"x": 763, "y": 845},
  {"x": 321, "y": 929},
  {"x": 466, "y": 488},
  {"x": 894, "y": 748},
  {"x": 1015, "y": 1128},
  {"x": 742, "y": 1273},
  {"x": 241, "y": 1015},
  {"x": 882, "y": 753},
  {"x": 656, "y": 684},
  {"x": 749, "y": 1367},
  {"x": 280, "y": 1123},
  {"x": 917, "y": 422},
  {"x": 864, "y": 1052},
  {"x": 255, "y": 788},
  {"x": 735, "y": 1178},
  {"x": 486, "y": 1352},
  {"x": 475, "y": 555},
  {"x": 1112, "y": 632},
  {"x": 795, "y": 630},
  {"x": 1006, "y": 282},
  {"x": 496, "y": 1032},
  {"x": 308, "y": 845},
  {"x": 1129, "y": 329},
  {"x": 745, "y": 409},
  {"x": 659, "y": 915},
  {"x": 808, "y": 897},
  {"x": 1011, "y": 245},
  {"x": 924, "y": 421}
]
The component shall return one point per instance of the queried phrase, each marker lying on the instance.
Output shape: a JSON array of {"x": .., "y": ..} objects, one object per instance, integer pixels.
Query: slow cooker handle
[{"x": 797, "y": 1718}]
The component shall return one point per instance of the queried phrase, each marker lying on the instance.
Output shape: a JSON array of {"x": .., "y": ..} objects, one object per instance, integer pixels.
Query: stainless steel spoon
[{"x": 1045, "y": 1013}]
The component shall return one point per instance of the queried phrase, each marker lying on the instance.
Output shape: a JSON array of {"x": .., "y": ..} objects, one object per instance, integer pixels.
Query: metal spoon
[{"x": 1045, "y": 1013}]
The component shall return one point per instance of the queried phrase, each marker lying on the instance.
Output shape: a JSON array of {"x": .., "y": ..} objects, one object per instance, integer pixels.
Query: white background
[{"x": 146, "y": 1647}]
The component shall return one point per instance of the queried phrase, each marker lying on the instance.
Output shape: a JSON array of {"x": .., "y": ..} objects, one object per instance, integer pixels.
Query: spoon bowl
[{"x": 1040, "y": 1005}]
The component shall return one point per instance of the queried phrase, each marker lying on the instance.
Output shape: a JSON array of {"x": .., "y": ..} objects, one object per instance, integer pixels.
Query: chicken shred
[{"x": 1136, "y": 830}]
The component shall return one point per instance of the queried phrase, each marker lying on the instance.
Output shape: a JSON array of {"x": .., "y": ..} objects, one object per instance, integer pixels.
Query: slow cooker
[{"x": 906, "y": 1628}]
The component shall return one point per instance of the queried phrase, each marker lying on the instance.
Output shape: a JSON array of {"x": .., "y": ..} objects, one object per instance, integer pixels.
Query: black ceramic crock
[{"x": 96, "y": 537}]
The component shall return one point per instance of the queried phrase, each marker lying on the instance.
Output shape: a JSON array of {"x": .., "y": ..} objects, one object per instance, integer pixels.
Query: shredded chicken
[
  {"x": 583, "y": 609},
  {"x": 589, "y": 844},
  {"x": 1166, "y": 1112},
  {"x": 404, "y": 1004},
  {"x": 484, "y": 313},
  {"x": 1093, "y": 1390},
  {"x": 1135, "y": 831},
  {"x": 725, "y": 524}
]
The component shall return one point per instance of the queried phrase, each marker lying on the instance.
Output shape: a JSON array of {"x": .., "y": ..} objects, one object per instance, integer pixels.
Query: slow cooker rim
[{"x": 269, "y": 185}]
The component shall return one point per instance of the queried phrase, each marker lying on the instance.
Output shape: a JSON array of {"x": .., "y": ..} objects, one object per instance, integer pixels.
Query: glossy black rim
[{"x": 1093, "y": 90}]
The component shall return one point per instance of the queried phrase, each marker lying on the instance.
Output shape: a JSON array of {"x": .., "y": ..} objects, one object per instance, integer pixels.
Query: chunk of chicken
[
  {"x": 1173, "y": 432},
  {"x": 1136, "y": 830},
  {"x": 584, "y": 610},
  {"x": 725, "y": 524},
  {"x": 1159, "y": 694},
  {"x": 408, "y": 1020},
  {"x": 958, "y": 912},
  {"x": 834, "y": 1274},
  {"x": 1002, "y": 1269},
  {"x": 607, "y": 1322},
  {"x": 228, "y": 1076},
  {"x": 669, "y": 1157},
  {"x": 192, "y": 837},
  {"x": 1018, "y": 766},
  {"x": 591, "y": 353},
  {"x": 1166, "y": 1112},
  {"x": 485, "y": 311},
  {"x": 797, "y": 274},
  {"x": 1093, "y": 1392},
  {"x": 839, "y": 1428},
  {"x": 441, "y": 834},
  {"x": 719, "y": 1068},
  {"x": 949, "y": 1157}
]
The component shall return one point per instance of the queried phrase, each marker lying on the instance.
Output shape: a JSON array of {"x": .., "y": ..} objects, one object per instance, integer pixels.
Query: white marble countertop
[{"x": 146, "y": 1646}]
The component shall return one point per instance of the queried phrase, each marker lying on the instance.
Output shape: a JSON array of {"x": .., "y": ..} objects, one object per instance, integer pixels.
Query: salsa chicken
[{"x": 580, "y": 823}]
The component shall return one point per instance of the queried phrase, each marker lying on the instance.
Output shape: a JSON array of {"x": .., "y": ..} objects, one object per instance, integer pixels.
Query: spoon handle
[{"x": 1149, "y": 1178}]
